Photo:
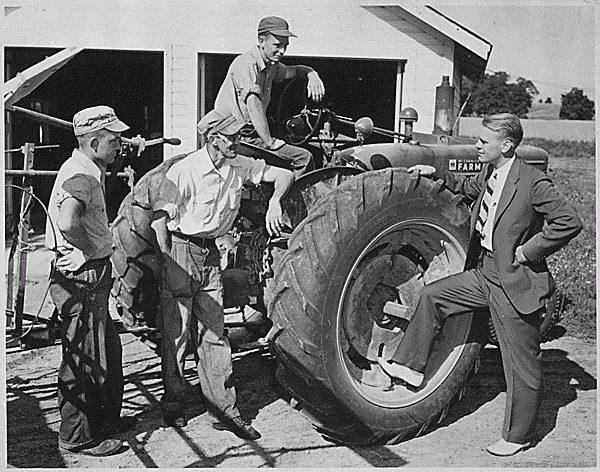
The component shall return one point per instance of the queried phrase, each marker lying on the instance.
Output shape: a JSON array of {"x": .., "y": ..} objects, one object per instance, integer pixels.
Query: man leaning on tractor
[{"x": 518, "y": 220}]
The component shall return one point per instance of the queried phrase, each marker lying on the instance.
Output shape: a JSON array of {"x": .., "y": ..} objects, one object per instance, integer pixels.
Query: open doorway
[
  {"x": 354, "y": 87},
  {"x": 131, "y": 82}
]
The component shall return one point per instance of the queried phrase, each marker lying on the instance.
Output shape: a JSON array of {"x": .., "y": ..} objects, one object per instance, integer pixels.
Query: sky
[{"x": 551, "y": 45}]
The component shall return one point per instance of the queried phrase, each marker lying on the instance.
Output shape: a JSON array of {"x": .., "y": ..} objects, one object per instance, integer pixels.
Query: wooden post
[{"x": 20, "y": 268}]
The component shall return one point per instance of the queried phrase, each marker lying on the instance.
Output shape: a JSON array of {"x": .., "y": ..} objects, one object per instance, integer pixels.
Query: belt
[{"x": 202, "y": 242}]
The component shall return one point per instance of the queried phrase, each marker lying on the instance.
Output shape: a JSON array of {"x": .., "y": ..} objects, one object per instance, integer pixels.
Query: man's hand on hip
[
  {"x": 520, "y": 256},
  {"x": 73, "y": 258},
  {"x": 315, "y": 87}
]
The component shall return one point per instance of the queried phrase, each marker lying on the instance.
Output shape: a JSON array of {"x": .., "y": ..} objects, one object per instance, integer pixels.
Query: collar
[
  {"x": 206, "y": 164},
  {"x": 505, "y": 169},
  {"x": 255, "y": 52},
  {"x": 89, "y": 165}
]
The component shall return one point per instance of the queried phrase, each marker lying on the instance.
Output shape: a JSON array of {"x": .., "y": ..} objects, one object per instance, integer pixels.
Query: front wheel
[{"x": 348, "y": 283}]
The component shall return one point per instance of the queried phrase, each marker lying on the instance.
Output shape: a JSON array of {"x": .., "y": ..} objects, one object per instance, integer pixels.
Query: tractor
[{"x": 362, "y": 237}]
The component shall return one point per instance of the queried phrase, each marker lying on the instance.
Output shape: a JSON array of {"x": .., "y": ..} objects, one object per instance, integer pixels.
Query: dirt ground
[{"x": 566, "y": 435}]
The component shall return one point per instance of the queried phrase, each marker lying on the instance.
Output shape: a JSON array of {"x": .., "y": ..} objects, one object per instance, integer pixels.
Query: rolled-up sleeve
[
  {"x": 253, "y": 169},
  {"x": 80, "y": 187},
  {"x": 244, "y": 74}
]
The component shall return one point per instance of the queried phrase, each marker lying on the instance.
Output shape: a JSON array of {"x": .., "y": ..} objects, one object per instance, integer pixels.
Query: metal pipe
[
  {"x": 34, "y": 115},
  {"x": 49, "y": 173},
  {"x": 49, "y": 146}
]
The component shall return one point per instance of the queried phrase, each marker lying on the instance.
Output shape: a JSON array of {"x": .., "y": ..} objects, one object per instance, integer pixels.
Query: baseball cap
[
  {"x": 96, "y": 118},
  {"x": 219, "y": 122},
  {"x": 275, "y": 25}
]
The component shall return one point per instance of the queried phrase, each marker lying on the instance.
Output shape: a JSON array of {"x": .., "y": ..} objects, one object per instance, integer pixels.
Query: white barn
[{"x": 408, "y": 46}]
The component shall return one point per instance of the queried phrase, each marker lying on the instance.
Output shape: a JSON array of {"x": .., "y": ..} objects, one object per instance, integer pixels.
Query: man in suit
[{"x": 505, "y": 270}]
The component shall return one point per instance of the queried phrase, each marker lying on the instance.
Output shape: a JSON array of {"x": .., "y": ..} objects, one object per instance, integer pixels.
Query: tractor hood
[{"x": 459, "y": 158}]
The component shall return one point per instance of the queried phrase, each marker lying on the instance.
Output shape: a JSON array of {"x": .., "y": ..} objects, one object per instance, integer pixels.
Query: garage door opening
[
  {"x": 131, "y": 82},
  {"x": 354, "y": 87}
]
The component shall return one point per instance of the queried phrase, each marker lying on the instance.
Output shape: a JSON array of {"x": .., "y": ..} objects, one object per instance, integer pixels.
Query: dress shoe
[
  {"x": 122, "y": 425},
  {"x": 108, "y": 447},
  {"x": 238, "y": 427},
  {"x": 399, "y": 371},
  {"x": 504, "y": 448},
  {"x": 175, "y": 419}
]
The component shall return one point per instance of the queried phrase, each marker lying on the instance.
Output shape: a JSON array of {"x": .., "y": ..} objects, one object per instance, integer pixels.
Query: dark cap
[
  {"x": 214, "y": 122},
  {"x": 275, "y": 25},
  {"x": 96, "y": 118}
]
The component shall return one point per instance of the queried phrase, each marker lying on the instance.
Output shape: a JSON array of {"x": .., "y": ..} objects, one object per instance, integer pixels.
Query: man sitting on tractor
[{"x": 246, "y": 91}]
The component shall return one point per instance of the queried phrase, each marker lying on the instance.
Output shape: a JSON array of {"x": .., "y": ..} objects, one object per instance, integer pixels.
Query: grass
[
  {"x": 574, "y": 267},
  {"x": 544, "y": 111},
  {"x": 564, "y": 148}
]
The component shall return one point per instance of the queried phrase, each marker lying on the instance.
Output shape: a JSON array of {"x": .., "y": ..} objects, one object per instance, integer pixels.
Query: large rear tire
[{"x": 370, "y": 244}]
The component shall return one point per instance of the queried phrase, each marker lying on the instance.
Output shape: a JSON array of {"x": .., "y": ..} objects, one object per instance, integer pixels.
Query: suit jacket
[{"x": 528, "y": 200}]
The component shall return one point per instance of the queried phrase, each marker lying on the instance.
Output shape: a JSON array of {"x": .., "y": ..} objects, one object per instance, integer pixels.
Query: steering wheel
[{"x": 298, "y": 129}]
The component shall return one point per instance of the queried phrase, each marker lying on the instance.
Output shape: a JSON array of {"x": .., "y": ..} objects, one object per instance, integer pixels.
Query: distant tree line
[
  {"x": 493, "y": 94},
  {"x": 576, "y": 106}
]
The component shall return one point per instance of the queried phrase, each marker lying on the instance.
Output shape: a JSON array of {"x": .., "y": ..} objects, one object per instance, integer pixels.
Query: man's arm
[
  {"x": 315, "y": 87},
  {"x": 469, "y": 187},
  {"x": 79, "y": 247},
  {"x": 159, "y": 225},
  {"x": 258, "y": 116},
  {"x": 282, "y": 179},
  {"x": 562, "y": 221}
]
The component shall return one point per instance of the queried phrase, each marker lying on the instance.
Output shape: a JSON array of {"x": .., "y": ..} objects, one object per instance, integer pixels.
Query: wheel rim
[{"x": 393, "y": 267}]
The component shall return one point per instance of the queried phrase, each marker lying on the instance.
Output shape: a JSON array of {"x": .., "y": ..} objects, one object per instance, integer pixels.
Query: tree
[
  {"x": 548, "y": 100},
  {"x": 576, "y": 106},
  {"x": 528, "y": 85},
  {"x": 494, "y": 95}
]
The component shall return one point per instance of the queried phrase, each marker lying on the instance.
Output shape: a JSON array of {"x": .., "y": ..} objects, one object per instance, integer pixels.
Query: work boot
[
  {"x": 238, "y": 427},
  {"x": 175, "y": 419},
  {"x": 108, "y": 447}
]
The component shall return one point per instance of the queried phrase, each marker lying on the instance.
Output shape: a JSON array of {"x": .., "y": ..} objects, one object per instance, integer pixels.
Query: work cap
[
  {"x": 96, "y": 118},
  {"x": 218, "y": 122},
  {"x": 275, "y": 25}
]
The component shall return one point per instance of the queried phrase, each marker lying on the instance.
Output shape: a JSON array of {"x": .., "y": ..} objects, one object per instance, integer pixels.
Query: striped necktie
[{"x": 486, "y": 203}]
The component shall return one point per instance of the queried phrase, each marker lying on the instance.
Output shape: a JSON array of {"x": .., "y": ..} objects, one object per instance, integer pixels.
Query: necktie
[{"x": 486, "y": 204}]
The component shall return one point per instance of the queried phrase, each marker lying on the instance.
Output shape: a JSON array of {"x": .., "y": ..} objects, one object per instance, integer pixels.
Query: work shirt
[
  {"x": 83, "y": 180},
  {"x": 209, "y": 199},
  {"x": 248, "y": 74},
  {"x": 487, "y": 230}
]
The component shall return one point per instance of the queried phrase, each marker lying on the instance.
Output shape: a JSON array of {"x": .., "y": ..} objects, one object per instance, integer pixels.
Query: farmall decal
[{"x": 464, "y": 165}]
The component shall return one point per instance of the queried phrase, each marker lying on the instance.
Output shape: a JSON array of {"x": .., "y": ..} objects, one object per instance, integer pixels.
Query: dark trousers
[
  {"x": 298, "y": 157},
  {"x": 90, "y": 376},
  {"x": 518, "y": 335},
  {"x": 192, "y": 303}
]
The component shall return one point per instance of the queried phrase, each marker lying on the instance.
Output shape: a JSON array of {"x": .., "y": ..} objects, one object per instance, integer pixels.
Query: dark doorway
[
  {"x": 354, "y": 87},
  {"x": 131, "y": 82}
]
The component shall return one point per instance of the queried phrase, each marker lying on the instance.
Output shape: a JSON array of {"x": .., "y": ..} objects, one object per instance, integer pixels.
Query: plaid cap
[
  {"x": 275, "y": 25},
  {"x": 96, "y": 118},
  {"x": 219, "y": 122}
]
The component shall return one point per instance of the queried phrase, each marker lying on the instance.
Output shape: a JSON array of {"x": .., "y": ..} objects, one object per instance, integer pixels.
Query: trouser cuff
[{"x": 170, "y": 406}]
